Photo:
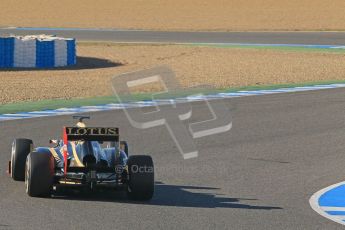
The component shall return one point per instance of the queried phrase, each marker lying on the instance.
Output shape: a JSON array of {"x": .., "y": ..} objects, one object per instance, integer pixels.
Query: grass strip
[{"x": 30, "y": 106}]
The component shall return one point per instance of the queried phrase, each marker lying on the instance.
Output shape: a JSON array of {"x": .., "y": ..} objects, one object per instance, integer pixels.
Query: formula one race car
[{"x": 86, "y": 157}]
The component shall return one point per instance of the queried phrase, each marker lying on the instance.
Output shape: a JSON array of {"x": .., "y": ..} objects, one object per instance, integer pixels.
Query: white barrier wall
[
  {"x": 40, "y": 51},
  {"x": 24, "y": 53}
]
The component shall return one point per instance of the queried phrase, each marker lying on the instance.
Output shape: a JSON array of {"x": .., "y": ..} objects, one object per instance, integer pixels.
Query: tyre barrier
[{"x": 37, "y": 51}]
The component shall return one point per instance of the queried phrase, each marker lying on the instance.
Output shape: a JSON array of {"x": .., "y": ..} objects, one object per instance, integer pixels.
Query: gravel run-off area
[
  {"x": 177, "y": 14},
  {"x": 220, "y": 67}
]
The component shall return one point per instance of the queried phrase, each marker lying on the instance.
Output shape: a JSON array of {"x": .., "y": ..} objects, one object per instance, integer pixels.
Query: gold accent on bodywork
[
  {"x": 75, "y": 155},
  {"x": 55, "y": 155},
  {"x": 81, "y": 125},
  {"x": 68, "y": 182},
  {"x": 122, "y": 146}
]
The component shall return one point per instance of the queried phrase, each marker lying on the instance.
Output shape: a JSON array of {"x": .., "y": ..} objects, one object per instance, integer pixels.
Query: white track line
[{"x": 314, "y": 203}]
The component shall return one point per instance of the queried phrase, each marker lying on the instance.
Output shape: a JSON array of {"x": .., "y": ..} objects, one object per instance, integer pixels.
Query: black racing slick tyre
[
  {"x": 39, "y": 174},
  {"x": 20, "y": 150},
  {"x": 141, "y": 177}
]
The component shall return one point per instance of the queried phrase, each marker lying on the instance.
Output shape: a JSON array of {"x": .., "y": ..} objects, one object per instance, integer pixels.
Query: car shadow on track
[
  {"x": 82, "y": 63},
  {"x": 173, "y": 195}
]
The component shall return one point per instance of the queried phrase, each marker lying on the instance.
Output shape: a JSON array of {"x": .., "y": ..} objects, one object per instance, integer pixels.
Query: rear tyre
[
  {"x": 39, "y": 174},
  {"x": 20, "y": 149},
  {"x": 141, "y": 177}
]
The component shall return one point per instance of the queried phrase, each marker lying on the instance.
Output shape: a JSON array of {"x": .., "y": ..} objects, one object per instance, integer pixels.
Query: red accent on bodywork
[{"x": 65, "y": 154}]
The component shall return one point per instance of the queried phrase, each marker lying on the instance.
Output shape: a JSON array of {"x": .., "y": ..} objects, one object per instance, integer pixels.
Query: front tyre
[
  {"x": 20, "y": 149},
  {"x": 39, "y": 174},
  {"x": 141, "y": 177}
]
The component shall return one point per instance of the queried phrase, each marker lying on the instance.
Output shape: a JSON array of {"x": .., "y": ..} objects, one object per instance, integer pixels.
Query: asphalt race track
[
  {"x": 312, "y": 38},
  {"x": 260, "y": 175}
]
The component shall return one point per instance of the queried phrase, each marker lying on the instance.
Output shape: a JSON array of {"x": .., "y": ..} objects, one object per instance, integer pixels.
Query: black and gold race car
[{"x": 86, "y": 157}]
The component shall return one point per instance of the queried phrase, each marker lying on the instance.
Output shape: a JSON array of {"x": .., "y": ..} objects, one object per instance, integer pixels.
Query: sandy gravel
[
  {"x": 177, "y": 14},
  {"x": 193, "y": 65}
]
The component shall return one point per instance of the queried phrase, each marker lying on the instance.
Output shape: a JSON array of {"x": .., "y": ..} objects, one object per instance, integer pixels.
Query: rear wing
[{"x": 91, "y": 134}]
